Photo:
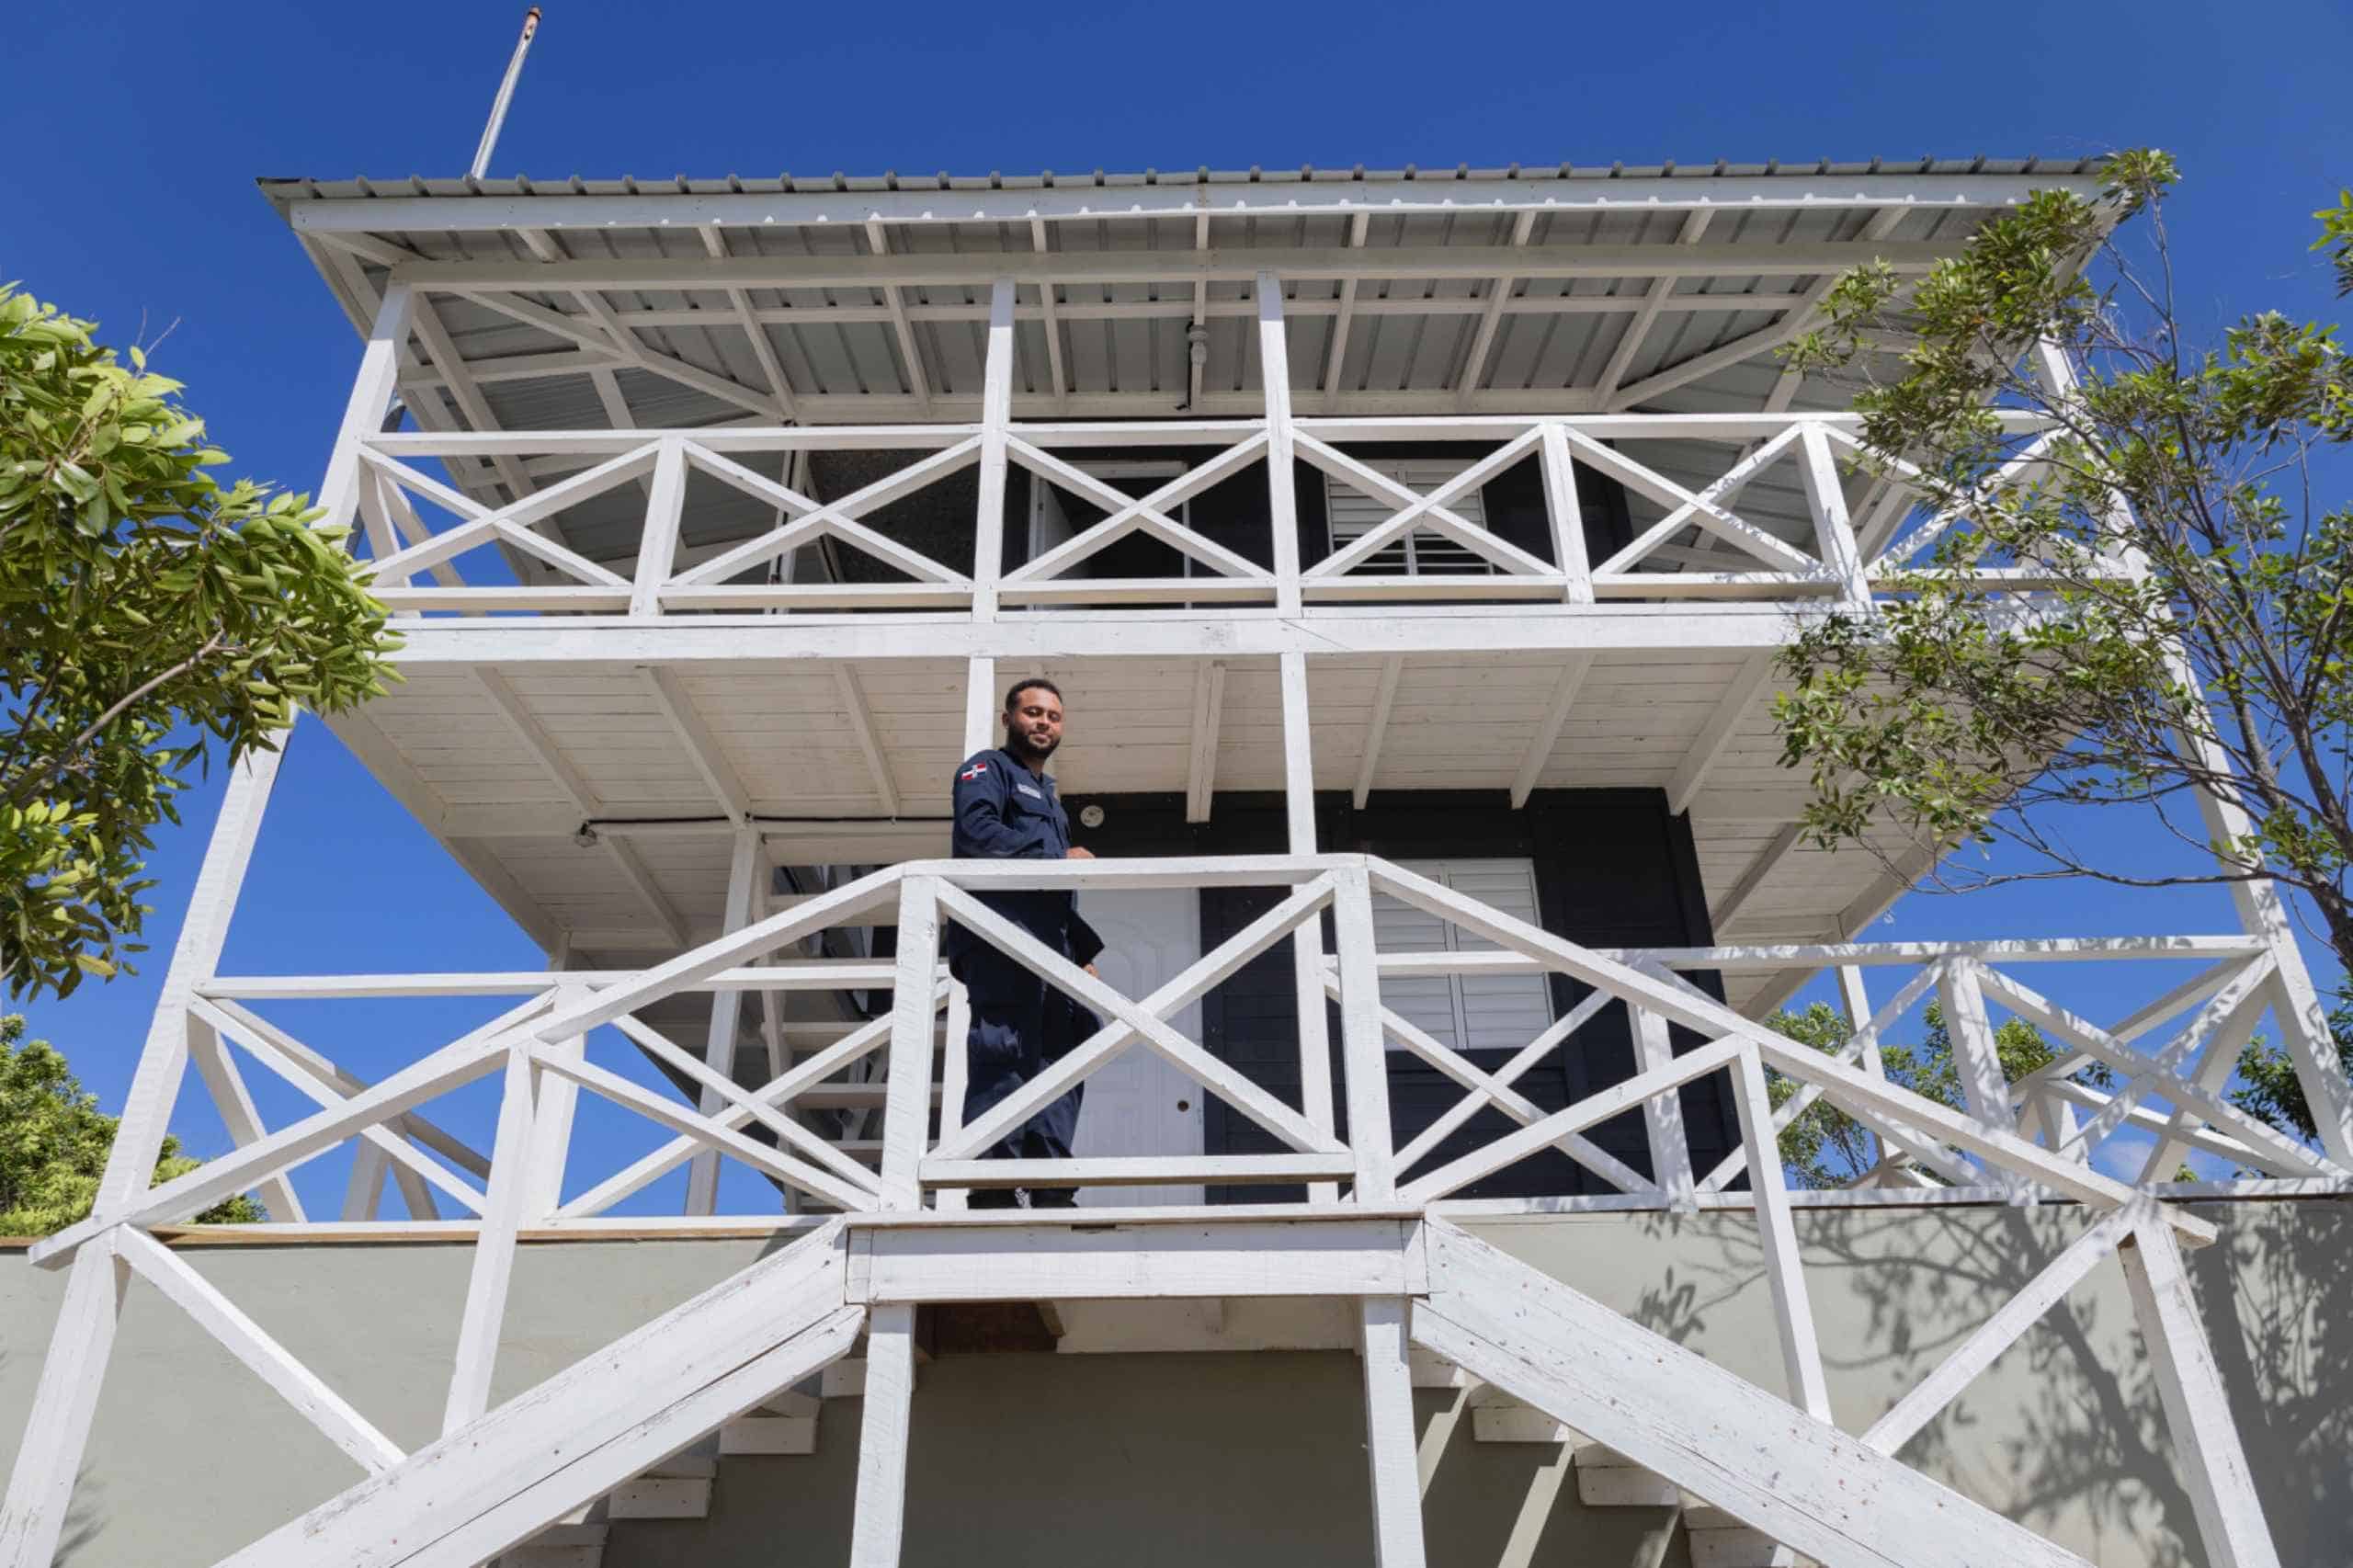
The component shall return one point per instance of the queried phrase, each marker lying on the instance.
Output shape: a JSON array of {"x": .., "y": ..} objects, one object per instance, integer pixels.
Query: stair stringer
[
  {"x": 609, "y": 1416},
  {"x": 1802, "y": 1482}
]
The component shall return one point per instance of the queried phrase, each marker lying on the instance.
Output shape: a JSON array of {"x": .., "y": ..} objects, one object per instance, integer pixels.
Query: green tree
[
  {"x": 2198, "y": 630},
  {"x": 149, "y": 620},
  {"x": 2268, "y": 1090},
  {"x": 1823, "y": 1147},
  {"x": 54, "y": 1141}
]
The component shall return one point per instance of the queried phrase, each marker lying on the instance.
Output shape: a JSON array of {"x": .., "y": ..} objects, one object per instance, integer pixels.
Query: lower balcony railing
[{"x": 864, "y": 1116}]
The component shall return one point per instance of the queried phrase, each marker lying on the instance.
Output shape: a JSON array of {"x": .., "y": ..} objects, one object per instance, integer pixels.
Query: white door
[{"x": 1139, "y": 1104}]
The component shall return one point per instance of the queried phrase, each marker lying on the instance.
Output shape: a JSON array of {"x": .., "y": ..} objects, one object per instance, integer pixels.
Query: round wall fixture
[{"x": 1090, "y": 816}]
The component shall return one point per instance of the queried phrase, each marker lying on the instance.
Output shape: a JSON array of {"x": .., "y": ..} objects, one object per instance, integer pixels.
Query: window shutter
[
  {"x": 1499, "y": 1012},
  {"x": 1420, "y": 554}
]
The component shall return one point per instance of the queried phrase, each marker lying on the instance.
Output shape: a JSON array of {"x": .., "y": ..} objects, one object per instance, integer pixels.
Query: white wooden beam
[
  {"x": 236, "y": 1103},
  {"x": 878, "y": 1520},
  {"x": 1691, "y": 774},
  {"x": 1282, "y": 501},
  {"x": 493, "y": 1266},
  {"x": 2198, "y": 1408},
  {"x": 1768, "y": 860},
  {"x": 1377, "y": 729},
  {"x": 1484, "y": 338},
  {"x": 701, "y": 744},
  {"x": 1655, "y": 297},
  {"x": 1049, "y": 317},
  {"x": 861, "y": 728},
  {"x": 445, "y": 358},
  {"x": 744, "y": 866},
  {"x": 878, "y": 236},
  {"x": 1539, "y": 755},
  {"x": 1390, "y": 1448},
  {"x": 715, "y": 241},
  {"x": 1343, "y": 312},
  {"x": 1208, "y": 704},
  {"x": 996, "y": 414}
]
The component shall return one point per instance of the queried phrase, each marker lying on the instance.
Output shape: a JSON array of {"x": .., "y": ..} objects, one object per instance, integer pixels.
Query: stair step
[
  {"x": 661, "y": 1498},
  {"x": 1435, "y": 1371},
  {"x": 1516, "y": 1423},
  {"x": 1719, "y": 1540},
  {"x": 690, "y": 1465},
  {"x": 1608, "y": 1479},
  {"x": 769, "y": 1435},
  {"x": 569, "y": 1545}
]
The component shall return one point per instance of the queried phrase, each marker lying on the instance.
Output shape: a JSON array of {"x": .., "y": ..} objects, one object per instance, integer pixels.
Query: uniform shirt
[{"x": 1003, "y": 811}]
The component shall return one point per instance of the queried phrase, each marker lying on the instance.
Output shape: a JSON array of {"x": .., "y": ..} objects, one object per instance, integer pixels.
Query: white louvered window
[
  {"x": 1420, "y": 554},
  {"x": 1488, "y": 1012}
]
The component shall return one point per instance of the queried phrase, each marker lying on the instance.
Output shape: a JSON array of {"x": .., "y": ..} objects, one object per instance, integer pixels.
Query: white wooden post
[
  {"x": 363, "y": 415},
  {"x": 996, "y": 414},
  {"x": 509, "y": 1190},
  {"x": 1307, "y": 942},
  {"x": 2303, "y": 1019},
  {"x": 906, "y": 1105},
  {"x": 1282, "y": 510},
  {"x": 881, "y": 1516},
  {"x": 726, "y": 1017},
  {"x": 554, "y": 1098},
  {"x": 1670, "y": 1142},
  {"x": 1566, "y": 512},
  {"x": 1777, "y": 1239},
  {"x": 1834, "y": 531},
  {"x": 1976, "y": 1059},
  {"x": 2198, "y": 1410},
  {"x": 956, "y": 1062},
  {"x": 657, "y": 549},
  {"x": 57, "y": 1428},
  {"x": 1390, "y": 1448},
  {"x": 236, "y": 1103},
  {"x": 1362, "y": 1049}
]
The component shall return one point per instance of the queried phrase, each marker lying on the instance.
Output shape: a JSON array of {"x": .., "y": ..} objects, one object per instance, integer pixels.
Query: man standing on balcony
[{"x": 1005, "y": 810}]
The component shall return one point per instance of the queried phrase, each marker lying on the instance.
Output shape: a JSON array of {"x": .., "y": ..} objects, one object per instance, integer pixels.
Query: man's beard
[{"x": 1032, "y": 748}]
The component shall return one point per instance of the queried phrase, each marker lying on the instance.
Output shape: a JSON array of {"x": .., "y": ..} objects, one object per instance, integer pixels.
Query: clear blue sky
[{"x": 137, "y": 130}]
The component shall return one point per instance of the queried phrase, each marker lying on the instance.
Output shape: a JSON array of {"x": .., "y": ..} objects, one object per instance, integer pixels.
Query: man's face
[{"x": 1033, "y": 725}]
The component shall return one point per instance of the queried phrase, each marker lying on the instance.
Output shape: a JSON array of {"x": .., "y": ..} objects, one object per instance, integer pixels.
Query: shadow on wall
[{"x": 2066, "y": 1433}]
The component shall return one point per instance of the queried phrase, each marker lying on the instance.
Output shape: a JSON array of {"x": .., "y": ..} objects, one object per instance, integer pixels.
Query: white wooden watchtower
[{"x": 1412, "y": 550}]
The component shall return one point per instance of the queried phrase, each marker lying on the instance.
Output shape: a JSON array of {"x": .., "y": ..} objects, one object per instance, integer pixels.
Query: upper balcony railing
[{"x": 1849, "y": 558}]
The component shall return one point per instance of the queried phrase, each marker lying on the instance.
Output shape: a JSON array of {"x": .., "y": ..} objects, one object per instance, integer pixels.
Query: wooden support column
[
  {"x": 1390, "y": 1448},
  {"x": 996, "y": 414},
  {"x": 1307, "y": 942},
  {"x": 555, "y": 1100},
  {"x": 1778, "y": 1240},
  {"x": 2198, "y": 1410},
  {"x": 1364, "y": 1050},
  {"x": 1670, "y": 1140},
  {"x": 879, "y": 1521},
  {"x": 956, "y": 1061},
  {"x": 657, "y": 549},
  {"x": 1984, "y": 1088},
  {"x": 1567, "y": 514},
  {"x": 1834, "y": 531},
  {"x": 2296, "y": 1001},
  {"x": 1274, "y": 374},
  {"x": 493, "y": 1271},
  {"x": 906, "y": 1108},
  {"x": 726, "y": 1017}
]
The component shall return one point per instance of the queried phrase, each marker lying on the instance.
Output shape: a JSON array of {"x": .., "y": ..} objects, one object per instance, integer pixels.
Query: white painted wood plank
[
  {"x": 242, "y": 1337},
  {"x": 1177, "y": 1260},
  {"x": 1390, "y": 1450},
  {"x": 485, "y": 1313},
  {"x": 880, "y": 1517},
  {"x": 2198, "y": 1409}
]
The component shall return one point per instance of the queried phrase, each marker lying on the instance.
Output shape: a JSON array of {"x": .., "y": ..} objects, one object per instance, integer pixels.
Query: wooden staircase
[{"x": 680, "y": 1486}]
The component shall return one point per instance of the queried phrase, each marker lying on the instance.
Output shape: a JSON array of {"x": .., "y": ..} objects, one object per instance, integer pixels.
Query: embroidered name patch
[{"x": 1033, "y": 794}]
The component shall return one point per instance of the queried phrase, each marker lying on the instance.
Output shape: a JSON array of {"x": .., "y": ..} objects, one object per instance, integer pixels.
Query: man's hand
[
  {"x": 1075, "y": 853},
  {"x": 1093, "y": 971}
]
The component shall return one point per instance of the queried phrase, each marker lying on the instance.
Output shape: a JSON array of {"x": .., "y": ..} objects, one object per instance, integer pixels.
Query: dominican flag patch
[{"x": 973, "y": 772}]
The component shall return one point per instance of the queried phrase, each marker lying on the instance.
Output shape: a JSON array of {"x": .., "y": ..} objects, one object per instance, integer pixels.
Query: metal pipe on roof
[{"x": 506, "y": 95}]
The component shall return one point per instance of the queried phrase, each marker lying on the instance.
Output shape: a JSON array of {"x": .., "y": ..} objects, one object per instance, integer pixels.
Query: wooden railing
[{"x": 1843, "y": 559}]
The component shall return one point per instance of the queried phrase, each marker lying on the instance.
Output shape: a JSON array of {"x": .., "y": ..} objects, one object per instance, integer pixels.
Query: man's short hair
[{"x": 1013, "y": 696}]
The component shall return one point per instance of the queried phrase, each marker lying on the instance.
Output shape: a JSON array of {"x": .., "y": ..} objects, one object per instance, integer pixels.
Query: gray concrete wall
[{"x": 1258, "y": 1457}]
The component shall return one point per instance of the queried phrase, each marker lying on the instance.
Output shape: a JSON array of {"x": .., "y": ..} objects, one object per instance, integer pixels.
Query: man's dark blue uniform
[{"x": 1003, "y": 811}]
